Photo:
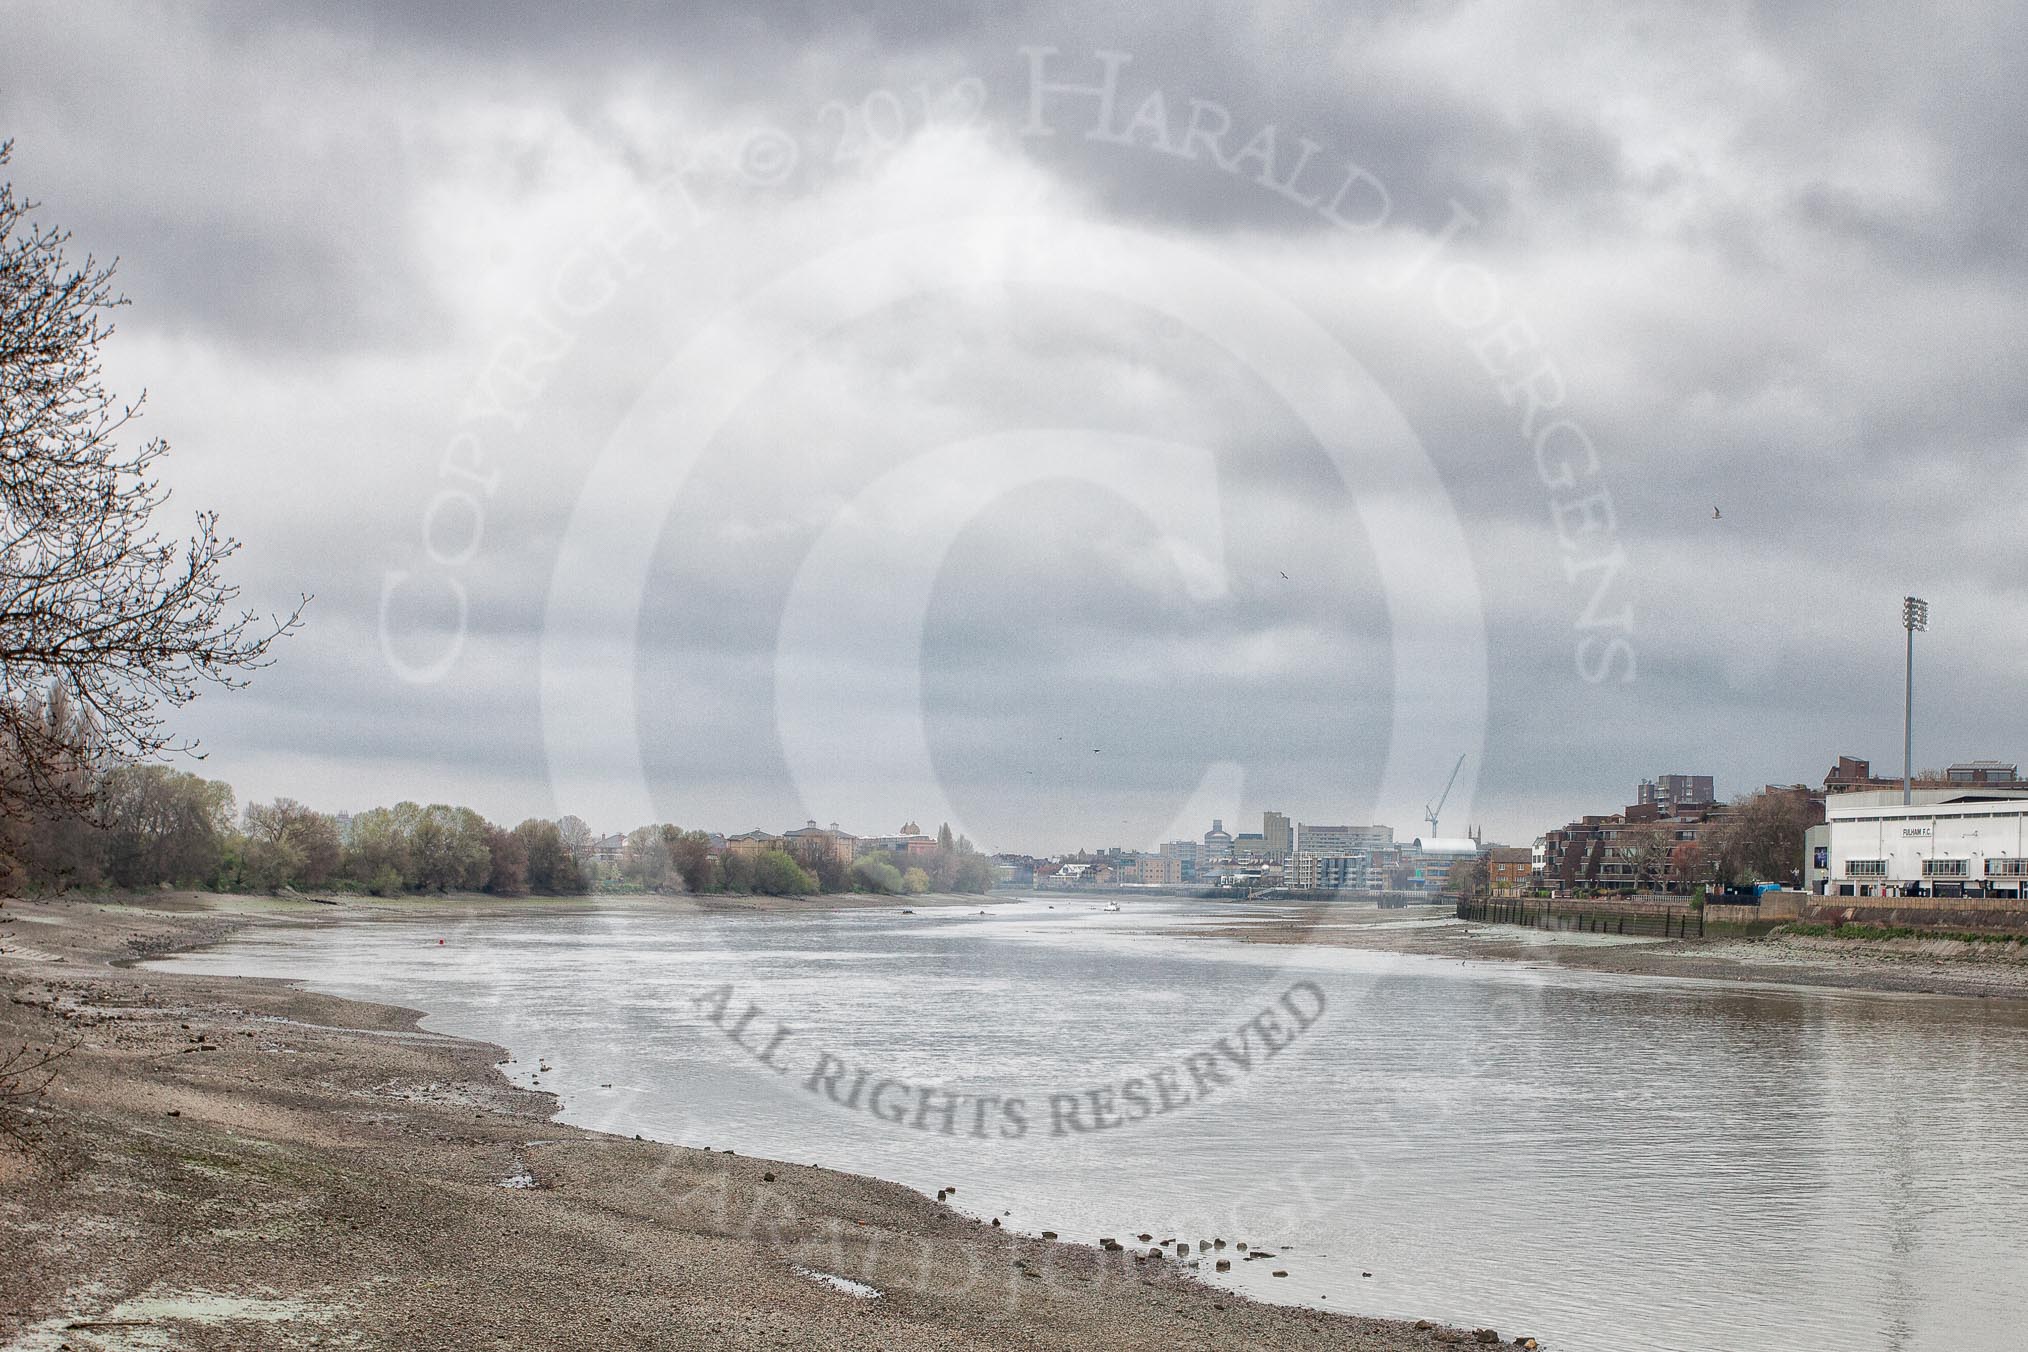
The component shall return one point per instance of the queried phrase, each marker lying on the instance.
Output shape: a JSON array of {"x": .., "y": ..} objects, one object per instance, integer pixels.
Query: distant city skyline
[
  {"x": 1281, "y": 833},
  {"x": 1843, "y": 771}
]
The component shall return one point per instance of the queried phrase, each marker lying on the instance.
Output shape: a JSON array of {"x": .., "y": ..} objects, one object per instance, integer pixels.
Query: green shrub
[
  {"x": 873, "y": 874},
  {"x": 1811, "y": 930},
  {"x": 779, "y": 875}
]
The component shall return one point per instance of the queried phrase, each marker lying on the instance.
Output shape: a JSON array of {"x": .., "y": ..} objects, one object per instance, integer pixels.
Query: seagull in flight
[
  {"x": 1717, "y": 515},
  {"x": 1285, "y": 576}
]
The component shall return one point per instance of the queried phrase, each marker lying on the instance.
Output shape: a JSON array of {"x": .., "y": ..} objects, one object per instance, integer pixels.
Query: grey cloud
[
  {"x": 1777, "y": 262},
  {"x": 228, "y": 219}
]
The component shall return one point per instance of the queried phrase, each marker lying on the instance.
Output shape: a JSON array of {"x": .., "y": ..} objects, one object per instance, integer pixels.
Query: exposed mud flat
[{"x": 234, "y": 1163}]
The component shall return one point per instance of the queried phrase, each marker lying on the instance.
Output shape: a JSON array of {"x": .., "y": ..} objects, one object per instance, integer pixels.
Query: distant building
[
  {"x": 1611, "y": 852},
  {"x": 1151, "y": 870},
  {"x": 1015, "y": 870},
  {"x": 1247, "y": 878},
  {"x": 1853, "y": 775},
  {"x": 1850, "y": 775},
  {"x": 908, "y": 841},
  {"x": 1188, "y": 854},
  {"x": 1277, "y": 835},
  {"x": 813, "y": 844},
  {"x": 1217, "y": 843},
  {"x": 1510, "y": 870},
  {"x": 750, "y": 843},
  {"x": 1427, "y": 862},
  {"x": 1341, "y": 839},
  {"x": 1670, "y": 791},
  {"x": 1313, "y": 839},
  {"x": 1308, "y": 872},
  {"x": 1358, "y": 870}
]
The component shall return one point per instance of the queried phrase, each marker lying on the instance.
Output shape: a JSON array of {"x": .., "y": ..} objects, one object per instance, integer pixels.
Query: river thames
[{"x": 1609, "y": 1163}]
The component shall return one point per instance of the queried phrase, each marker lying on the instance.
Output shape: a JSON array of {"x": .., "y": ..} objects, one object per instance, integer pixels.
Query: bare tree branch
[
  {"x": 25, "y": 1076},
  {"x": 105, "y": 622}
]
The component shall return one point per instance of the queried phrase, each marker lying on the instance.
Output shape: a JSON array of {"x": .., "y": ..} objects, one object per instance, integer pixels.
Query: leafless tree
[
  {"x": 25, "y": 1076},
  {"x": 1762, "y": 839},
  {"x": 95, "y": 600},
  {"x": 1688, "y": 861},
  {"x": 577, "y": 839},
  {"x": 288, "y": 844},
  {"x": 1647, "y": 847},
  {"x": 1469, "y": 878}
]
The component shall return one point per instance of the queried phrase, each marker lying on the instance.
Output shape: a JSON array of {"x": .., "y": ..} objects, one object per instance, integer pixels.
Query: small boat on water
[{"x": 1110, "y": 906}]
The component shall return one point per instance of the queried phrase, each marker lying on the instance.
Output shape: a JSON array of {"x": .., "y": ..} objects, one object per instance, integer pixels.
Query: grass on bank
[{"x": 1809, "y": 930}]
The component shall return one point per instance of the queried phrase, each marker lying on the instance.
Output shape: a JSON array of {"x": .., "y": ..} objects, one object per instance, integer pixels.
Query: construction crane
[{"x": 1429, "y": 814}]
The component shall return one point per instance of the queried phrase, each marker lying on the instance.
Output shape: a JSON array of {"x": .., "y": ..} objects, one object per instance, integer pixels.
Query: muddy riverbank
[
  {"x": 238, "y": 1163},
  {"x": 1912, "y": 966}
]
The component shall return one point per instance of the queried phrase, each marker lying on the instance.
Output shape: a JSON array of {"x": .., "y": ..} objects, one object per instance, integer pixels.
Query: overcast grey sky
[{"x": 755, "y": 395}]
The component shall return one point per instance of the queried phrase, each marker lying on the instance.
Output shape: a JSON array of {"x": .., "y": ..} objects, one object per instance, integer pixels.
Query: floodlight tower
[{"x": 1914, "y": 616}]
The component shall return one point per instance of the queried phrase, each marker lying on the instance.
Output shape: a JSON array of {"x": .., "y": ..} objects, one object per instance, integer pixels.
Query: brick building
[{"x": 1510, "y": 870}]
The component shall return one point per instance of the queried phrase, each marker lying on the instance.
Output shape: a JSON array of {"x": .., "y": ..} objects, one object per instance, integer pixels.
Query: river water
[{"x": 1607, "y": 1163}]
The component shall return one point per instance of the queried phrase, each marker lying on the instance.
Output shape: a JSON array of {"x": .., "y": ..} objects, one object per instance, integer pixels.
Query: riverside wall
[
  {"x": 2003, "y": 915},
  {"x": 1674, "y": 917}
]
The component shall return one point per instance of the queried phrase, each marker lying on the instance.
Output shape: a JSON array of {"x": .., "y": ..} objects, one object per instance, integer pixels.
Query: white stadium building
[{"x": 1945, "y": 843}]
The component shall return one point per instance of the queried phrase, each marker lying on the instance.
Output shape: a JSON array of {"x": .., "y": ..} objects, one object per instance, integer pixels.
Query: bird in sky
[
  {"x": 1717, "y": 515},
  {"x": 1285, "y": 576}
]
